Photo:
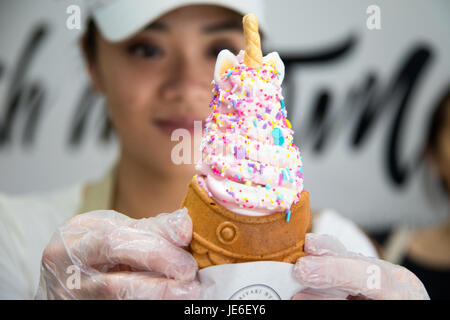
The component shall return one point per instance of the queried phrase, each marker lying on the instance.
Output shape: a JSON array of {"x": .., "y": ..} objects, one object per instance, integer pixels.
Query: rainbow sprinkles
[{"x": 249, "y": 161}]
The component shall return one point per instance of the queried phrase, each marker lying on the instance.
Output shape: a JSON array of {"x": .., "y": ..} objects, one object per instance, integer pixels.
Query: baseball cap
[{"x": 120, "y": 19}]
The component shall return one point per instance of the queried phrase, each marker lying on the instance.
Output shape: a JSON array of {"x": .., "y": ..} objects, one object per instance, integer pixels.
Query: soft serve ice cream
[
  {"x": 249, "y": 163},
  {"x": 250, "y": 175}
]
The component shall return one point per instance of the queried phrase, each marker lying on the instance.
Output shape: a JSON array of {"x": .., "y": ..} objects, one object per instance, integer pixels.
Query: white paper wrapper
[{"x": 262, "y": 280}]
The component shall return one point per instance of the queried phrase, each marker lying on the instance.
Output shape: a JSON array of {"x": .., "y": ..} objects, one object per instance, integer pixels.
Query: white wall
[{"x": 355, "y": 181}]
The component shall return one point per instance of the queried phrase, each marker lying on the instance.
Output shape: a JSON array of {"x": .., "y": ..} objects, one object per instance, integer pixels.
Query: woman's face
[{"x": 160, "y": 79}]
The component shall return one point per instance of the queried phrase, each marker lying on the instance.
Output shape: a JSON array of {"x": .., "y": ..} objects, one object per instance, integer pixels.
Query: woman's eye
[
  {"x": 145, "y": 50},
  {"x": 214, "y": 51}
]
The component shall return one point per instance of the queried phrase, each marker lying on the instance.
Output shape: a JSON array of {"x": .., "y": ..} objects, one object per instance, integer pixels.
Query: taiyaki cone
[{"x": 221, "y": 236}]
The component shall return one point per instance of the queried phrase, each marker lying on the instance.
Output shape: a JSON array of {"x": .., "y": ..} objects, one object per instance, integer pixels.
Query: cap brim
[{"x": 124, "y": 18}]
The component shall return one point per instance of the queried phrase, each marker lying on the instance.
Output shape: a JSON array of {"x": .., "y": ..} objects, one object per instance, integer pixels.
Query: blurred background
[{"x": 359, "y": 100}]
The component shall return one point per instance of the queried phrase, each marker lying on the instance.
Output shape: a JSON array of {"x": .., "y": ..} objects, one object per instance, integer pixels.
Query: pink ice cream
[{"x": 249, "y": 162}]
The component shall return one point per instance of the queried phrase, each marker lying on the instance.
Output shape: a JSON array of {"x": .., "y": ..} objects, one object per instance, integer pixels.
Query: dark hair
[
  {"x": 436, "y": 124},
  {"x": 88, "y": 41}
]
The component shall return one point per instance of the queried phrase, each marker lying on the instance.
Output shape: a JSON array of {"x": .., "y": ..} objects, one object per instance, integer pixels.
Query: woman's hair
[
  {"x": 88, "y": 41},
  {"x": 435, "y": 127}
]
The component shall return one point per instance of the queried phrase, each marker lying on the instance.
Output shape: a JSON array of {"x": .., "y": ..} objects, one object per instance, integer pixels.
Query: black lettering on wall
[
  {"x": 319, "y": 57},
  {"x": 22, "y": 95},
  {"x": 401, "y": 90},
  {"x": 317, "y": 125},
  {"x": 34, "y": 104},
  {"x": 364, "y": 99},
  {"x": 84, "y": 110},
  {"x": 366, "y": 104}
]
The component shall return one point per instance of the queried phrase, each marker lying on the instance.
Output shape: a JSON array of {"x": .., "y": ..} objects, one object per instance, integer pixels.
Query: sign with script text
[{"x": 362, "y": 78}]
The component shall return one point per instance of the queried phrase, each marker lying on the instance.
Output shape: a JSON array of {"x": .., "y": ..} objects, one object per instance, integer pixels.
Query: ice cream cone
[
  {"x": 248, "y": 202},
  {"x": 221, "y": 236}
]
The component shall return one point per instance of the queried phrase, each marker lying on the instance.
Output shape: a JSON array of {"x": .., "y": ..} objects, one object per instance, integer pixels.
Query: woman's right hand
[{"x": 107, "y": 255}]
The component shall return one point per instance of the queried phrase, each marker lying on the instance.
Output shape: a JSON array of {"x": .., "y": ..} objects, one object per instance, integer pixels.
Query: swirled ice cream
[{"x": 249, "y": 162}]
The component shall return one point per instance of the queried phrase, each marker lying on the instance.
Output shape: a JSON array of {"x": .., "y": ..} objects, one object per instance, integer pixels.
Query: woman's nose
[{"x": 186, "y": 79}]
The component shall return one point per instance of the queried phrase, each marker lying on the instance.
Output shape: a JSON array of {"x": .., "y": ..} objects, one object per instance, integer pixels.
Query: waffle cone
[{"x": 221, "y": 236}]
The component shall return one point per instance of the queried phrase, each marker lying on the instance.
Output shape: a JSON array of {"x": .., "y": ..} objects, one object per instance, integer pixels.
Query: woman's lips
[{"x": 170, "y": 125}]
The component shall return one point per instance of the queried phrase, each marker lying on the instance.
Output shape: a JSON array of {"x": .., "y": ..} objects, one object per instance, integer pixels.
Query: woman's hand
[
  {"x": 107, "y": 255},
  {"x": 331, "y": 272}
]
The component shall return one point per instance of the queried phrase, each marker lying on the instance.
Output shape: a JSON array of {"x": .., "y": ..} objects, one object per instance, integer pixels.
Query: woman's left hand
[{"x": 329, "y": 271}]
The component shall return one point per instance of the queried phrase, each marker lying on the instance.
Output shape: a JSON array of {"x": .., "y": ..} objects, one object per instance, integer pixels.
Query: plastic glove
[
  {"x": 107, "y": 255},
  {"x": 331, "y": 272}
]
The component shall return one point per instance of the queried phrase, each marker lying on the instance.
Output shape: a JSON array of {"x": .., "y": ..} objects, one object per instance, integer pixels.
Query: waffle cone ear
[{"x": 221, "y": 236}]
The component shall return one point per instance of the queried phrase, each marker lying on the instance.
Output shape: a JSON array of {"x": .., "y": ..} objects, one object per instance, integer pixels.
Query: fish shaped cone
[{"x": 221, "y": 236}]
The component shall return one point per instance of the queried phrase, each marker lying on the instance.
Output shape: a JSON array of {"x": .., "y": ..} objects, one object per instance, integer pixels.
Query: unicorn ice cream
[{"x": 249, "y": 184}]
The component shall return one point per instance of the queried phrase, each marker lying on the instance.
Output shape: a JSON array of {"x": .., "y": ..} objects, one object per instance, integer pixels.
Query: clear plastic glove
[
  {"x": 331, "y": 272},
  {"x": 107, "y": 255}
]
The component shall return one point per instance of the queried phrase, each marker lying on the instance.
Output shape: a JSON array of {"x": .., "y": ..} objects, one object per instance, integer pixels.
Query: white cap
[{"x": 120, "y": 19}]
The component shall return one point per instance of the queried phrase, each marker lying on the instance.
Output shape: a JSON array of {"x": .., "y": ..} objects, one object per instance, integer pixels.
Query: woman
[
  {"x": 154, "y": 69},
  {"x": 426, "y": 251}
]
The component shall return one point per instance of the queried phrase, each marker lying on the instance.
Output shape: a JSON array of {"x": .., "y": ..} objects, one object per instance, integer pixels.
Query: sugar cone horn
[{"x": 253, "y": 52}]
